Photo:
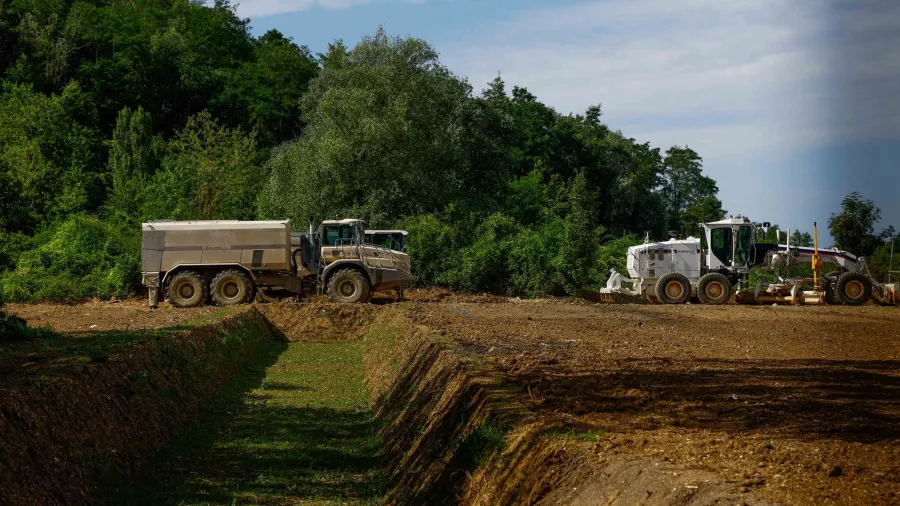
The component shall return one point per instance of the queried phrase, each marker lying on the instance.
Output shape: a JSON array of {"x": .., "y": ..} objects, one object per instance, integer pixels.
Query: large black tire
[
  {"x": 348, "y": 286},
  {"x": 187, "y": 289},
  {"x": 231, "y": 287},
  {"x": 714, "y": 288},
  {"x": 673, "y": 288},
  {"x": 854, "y": 288}
]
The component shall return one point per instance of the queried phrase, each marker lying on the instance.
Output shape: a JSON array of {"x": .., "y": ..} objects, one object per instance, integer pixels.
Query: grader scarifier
[{"x": 718, "y": 263}]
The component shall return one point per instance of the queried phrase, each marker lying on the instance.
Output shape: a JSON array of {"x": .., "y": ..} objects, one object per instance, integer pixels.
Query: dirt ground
[
  {"x": 102, "y": 316},
  {"x": 799, "y": 405}
]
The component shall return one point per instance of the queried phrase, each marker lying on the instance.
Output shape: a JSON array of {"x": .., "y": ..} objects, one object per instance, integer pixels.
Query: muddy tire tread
[
  {"x": 364, "y": 292},
  {"x": 194, "y": 277},
  {"x": 665, "y": 280},
  {"x": 709, "y": 278}
]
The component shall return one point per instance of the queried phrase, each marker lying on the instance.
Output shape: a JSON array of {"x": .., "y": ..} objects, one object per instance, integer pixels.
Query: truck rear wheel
[
  {"x": 187, "y": 289},
  {"x": 714, "y": 288},
  {"x": 231, "y": 287},
  {"x": 673, "y": 288},
  {"x": 348, "y": 286},
  {"x": 854, "y": 288}
]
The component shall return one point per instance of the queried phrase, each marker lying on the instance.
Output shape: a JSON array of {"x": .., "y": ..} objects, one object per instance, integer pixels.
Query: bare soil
[
  {"x": 799, "y": 405},
  {"x": 102, "y": 316},
  {"x": 795, "y": 405}
]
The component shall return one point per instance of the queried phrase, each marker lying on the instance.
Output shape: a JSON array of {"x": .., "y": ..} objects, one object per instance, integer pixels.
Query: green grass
[
  {"x": 578, "y": 436},
  {"x": 302, "y": 434}
]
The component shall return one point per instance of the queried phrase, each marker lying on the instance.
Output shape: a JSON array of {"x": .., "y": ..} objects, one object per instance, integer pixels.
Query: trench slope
[{"x": 301, "y": 434}]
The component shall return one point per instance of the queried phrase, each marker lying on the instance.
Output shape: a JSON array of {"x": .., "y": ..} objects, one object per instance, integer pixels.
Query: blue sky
[{"x": 791, "y": 103}]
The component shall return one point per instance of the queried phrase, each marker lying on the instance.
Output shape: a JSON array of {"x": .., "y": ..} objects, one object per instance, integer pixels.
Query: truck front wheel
[
  {"x": 231, "y": 287},
  {"x": 348, "y": 286},
  {"x": 187, "y": 289}
]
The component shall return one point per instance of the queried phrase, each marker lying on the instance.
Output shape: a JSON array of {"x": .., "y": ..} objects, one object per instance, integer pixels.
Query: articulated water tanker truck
[{"x": 191, "y": 263}]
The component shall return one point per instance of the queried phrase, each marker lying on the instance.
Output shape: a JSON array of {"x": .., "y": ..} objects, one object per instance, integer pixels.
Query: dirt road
[{"x": 800, "y": 404}]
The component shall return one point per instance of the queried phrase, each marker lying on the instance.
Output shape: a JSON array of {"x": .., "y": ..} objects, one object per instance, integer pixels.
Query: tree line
[{"x": 114, "y": 113}]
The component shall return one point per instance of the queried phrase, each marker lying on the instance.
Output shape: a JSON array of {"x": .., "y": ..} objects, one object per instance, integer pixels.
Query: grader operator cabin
[{"x": 230, "y": 261}]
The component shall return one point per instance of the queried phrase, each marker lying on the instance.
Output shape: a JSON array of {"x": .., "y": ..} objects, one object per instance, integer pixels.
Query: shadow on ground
[
  {"x": 300, "y": 432},
  {"x": 847, "y": 400}
]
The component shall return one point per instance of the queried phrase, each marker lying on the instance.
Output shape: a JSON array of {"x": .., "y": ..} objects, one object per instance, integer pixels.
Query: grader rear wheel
[{"x": 854, "y": 288}]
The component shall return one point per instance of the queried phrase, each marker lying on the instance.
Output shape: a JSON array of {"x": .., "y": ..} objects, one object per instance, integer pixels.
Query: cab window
[
  {"x": 722, "y": 245},
  {"x": 742, "y": 249},
  {"x": 337, "y": 235}
]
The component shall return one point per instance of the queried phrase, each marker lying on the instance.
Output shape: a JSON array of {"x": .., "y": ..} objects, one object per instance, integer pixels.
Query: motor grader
[
  {"x": 718, "y": 263},
  {"x": 191, "y": 263}
]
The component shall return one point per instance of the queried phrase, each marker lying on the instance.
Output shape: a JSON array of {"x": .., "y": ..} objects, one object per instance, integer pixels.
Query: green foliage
[
  {"x": 690, "y": 196},
  {"x": 854, "y": 227},
  {"x": 880, "y": 262},
  {"x": 163, "y": 109},
  {"x": 484, "y": 264},
  {"x": 383, "y": 138},
  {"x": 265, "y": 93},
  {"x": 430, "y": 246},
  {"x": 81, "y": 257},
  {"x": 534, "y": 259},
  {"x": 612, "y": 254},
  {"x": 799, "y": 238},
  {"x": 134, "y": 157},
  {"x": 48, "y": 157},
  {"x": 209, "y": 172},
  {"x": 579, "y": 244}
]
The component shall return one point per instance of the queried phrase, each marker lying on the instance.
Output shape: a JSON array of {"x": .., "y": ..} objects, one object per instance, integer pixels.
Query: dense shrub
[
  {"x": 430, "y": 247},
  {"x": 81, "y": 257},
  {"x": 534, "y": 259}
]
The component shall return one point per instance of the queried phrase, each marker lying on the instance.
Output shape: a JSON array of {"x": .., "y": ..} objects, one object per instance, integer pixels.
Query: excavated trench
[{"x": 312, "y": 404}]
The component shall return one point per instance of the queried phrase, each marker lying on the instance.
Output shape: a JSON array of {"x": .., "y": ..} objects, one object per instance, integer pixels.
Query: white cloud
[
  {"x": 258, "y": 8},
  {"x": 737, "y": 80},
  {"x": 696, "y": 64}
]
